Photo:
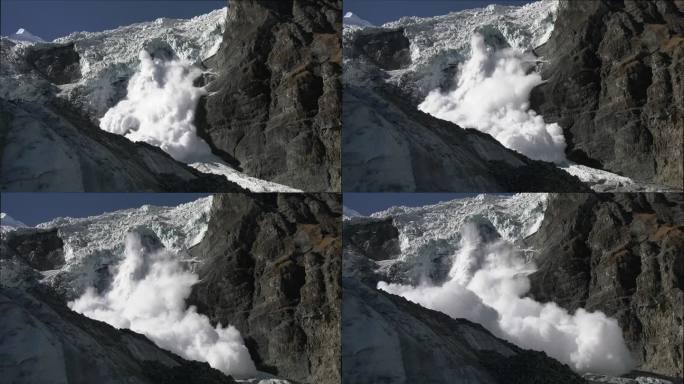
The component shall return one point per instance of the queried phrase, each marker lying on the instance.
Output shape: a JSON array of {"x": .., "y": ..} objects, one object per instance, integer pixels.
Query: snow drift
[
  {"x": 147, "y": 295},
  {"x": 492, "y": 95}
]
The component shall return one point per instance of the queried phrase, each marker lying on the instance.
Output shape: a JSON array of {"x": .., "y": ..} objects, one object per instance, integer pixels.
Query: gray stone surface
[
  {"x": 614, "y": 83},
  {"x": 270, "y": 265},
  {"x": 622, "y": 254},
  {"x": 274, "y": 107}
]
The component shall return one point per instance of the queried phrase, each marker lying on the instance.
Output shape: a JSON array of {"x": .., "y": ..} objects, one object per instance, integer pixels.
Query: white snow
[
  {"x": 8, "y": 223},
  {"x": 23, "y": 35},
  {"x": 159, "y": 109},
  {"x": 604, "y": 181},
  {"x": 248, "y": 182}
]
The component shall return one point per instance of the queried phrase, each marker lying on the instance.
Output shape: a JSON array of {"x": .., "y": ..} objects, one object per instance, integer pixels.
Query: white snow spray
[
  {"x": 492, "y": 96},
  {"x": 487, "y": 283},
  {"x": 148, "y": 294},
  {"x": 159, "y": 109}
]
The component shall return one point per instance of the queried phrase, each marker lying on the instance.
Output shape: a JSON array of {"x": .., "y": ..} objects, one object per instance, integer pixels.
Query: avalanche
[{"x": 478, "y": 240}]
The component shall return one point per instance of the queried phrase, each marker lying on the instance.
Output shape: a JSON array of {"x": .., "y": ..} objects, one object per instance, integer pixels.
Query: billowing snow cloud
[
  {"x": 147, "y": 295},
  {"x": 492, "y": 95},
  {"x": 487, "y": 283},
  {"x": 159, "y": 109}
]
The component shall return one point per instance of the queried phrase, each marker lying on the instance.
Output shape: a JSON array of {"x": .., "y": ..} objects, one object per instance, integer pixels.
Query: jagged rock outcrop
[
  {"x": 274, "y": 108},
  {"x": 377, "y": 239},
  {"x": 388, "y": 49},
  {"x": 270, "y": 265},
  {"x": 388, "y": 339},
  {"x": 614, "y": 83},
  {"x": 57, "y": 63},
  {"x": 389, "y": 145},
  {"x": 40, "y": 249},
  {"x": 42, "y": 340},
  {"x": 53, "y": 147},
  {"x": 621, "y": 254}
]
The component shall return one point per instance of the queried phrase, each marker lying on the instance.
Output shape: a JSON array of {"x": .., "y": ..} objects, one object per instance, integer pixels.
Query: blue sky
[
  {"x": 381, "y": 11},
  {"x": 36, "y": 208},
  {"x": 367, "y": 203},
  {"x": 50, "y": 19}
]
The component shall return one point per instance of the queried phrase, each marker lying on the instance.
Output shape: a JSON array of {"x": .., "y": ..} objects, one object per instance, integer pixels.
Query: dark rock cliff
[
  {"x": 40, "y": 249},
  {"x": 270, "y": 265},
  {"x": 377, "y": 239},
  {"x": 621, "y": 254},
  {"x": 614, "y": 83},
  {"x": 57, "y": 63},
  {"x": 274, "y": 108}
]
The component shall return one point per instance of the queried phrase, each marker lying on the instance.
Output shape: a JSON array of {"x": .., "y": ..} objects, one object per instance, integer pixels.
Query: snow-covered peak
[
  {"x": 351, "y": 19},
  {"x": 348, "y": 213},
  {"x": 24, "y": 35},
  {"x": 8, "y": 223}
]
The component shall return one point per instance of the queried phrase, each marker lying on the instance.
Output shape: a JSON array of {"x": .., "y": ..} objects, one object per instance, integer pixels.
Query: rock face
[
  {"x": 42, "y": 340},
  {"x": 270, "y": 265},
  {"x": 57, "y": 63},
  {"x": 274, "y": 109},
  {"x": 52, "y": 148},
  {"x": 42, "y": 250},
  {"x": 379, "y": 239},
  {"x": 623, "y": 255},
  {"x": 614, "y": 83},
  {"x": 387, "y": 49}
]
